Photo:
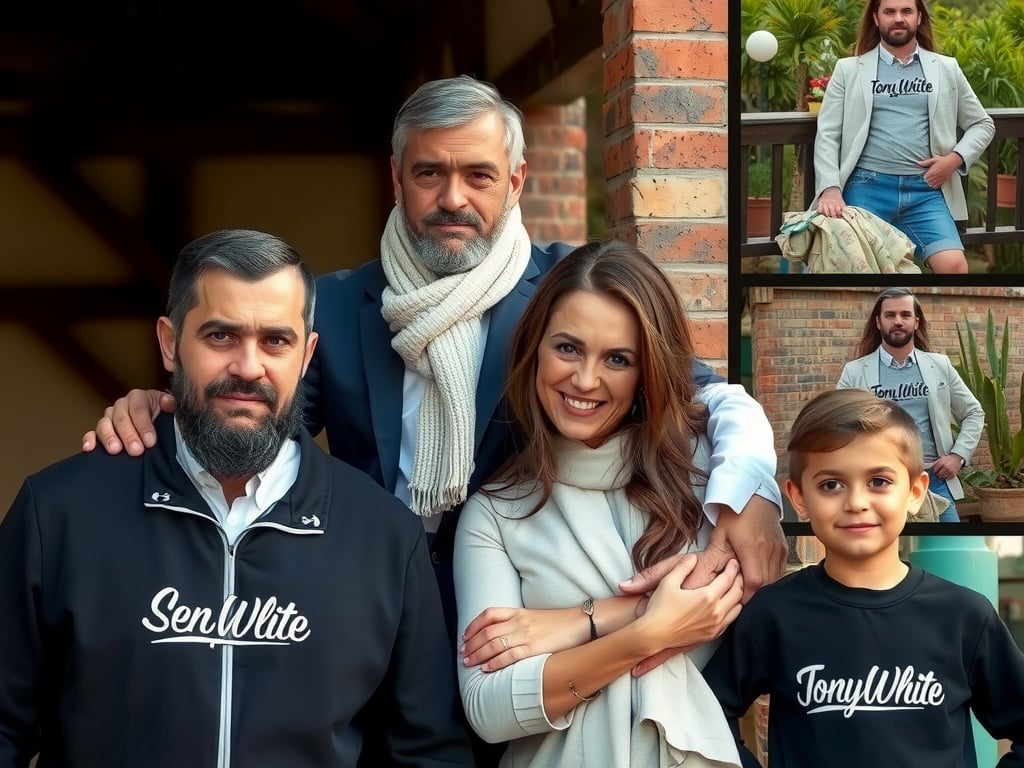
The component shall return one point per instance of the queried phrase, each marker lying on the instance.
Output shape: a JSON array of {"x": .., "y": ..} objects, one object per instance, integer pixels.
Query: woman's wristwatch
[{"x": 587, "y": 606}]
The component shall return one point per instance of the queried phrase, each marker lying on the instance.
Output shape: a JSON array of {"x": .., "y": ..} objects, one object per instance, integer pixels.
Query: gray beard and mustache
[
  {"x": 442, "y": 260},
  {"x": 227, "y": 451}
]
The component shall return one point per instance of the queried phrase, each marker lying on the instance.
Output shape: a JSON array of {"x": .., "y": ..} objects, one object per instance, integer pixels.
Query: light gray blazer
[
  {"x": 948, "y": 399},
  {"x": 846, "y": 115}
]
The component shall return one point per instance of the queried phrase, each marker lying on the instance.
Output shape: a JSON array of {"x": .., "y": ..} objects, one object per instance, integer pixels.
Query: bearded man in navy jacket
[{"x": 235, "y": 597}]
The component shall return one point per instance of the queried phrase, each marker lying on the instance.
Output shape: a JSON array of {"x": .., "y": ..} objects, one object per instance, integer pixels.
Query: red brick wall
[
  {"x": 666, "y": 146},
  {"x": 554, "y": 201},
  {"x": 802, "y": 337}
]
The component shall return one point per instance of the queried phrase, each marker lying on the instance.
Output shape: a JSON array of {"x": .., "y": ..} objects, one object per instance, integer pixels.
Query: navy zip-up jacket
[{"x": 131, "y": 633}]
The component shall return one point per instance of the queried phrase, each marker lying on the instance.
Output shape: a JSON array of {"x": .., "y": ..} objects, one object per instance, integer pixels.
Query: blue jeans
[
  {"x": 910, "y": 205},
  {"x": 939, "y": 486}
]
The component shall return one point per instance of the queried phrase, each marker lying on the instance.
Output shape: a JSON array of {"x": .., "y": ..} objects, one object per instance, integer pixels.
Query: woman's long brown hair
[{"x": 659, "y": 437}]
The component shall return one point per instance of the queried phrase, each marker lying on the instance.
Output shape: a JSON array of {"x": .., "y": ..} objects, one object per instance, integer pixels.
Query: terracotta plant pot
[
  {"x": 1000, "y": 505},
  {"x": 1006, "y": 191},
  {"x": 758, "y": 216}
]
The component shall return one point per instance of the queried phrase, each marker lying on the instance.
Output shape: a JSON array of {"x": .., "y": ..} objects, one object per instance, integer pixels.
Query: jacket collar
[{"x": 303, "y": 509}]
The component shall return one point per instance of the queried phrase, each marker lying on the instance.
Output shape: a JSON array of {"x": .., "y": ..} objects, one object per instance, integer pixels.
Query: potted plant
[
  {"x": 759, "y": 202},
  {"x": 1006, "y": 179},
  {"x": 802, "y": 27},
  {"x": 990, "y": 48},
  {"x": 1000, "y": 490},
  {"x": 816, "y": 92},
  {"x": 821, "y": 67}
]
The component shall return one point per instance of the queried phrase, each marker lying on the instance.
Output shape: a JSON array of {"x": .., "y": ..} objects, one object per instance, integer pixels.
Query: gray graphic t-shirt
[
  {"x": 906, "y": 387},
  {"x": 898, "y": 135}
]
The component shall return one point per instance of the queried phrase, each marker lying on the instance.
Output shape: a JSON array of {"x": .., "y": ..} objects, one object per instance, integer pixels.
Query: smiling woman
[
  {"x": 587, "y": 372},
  {"x": 610, "y": 478}
]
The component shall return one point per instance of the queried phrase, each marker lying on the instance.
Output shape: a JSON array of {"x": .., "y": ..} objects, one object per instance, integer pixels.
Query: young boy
[{"x": 870, "y": 661}]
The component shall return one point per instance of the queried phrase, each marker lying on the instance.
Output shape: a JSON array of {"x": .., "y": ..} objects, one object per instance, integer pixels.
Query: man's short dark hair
[{"x": 245, "y": 253}]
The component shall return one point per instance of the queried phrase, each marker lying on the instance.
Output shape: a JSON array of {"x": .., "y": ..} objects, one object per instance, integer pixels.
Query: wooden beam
[
  {"x": 167, "y": 204},
  {"x": 108, "y": 385},
  {"x": 269, "y": 129},
  {"x": 57, "y": 172},
  {"x": 72, "y": 303},
  {"x": 561, "y": 10},
  {"x": 564, "y": 64}
]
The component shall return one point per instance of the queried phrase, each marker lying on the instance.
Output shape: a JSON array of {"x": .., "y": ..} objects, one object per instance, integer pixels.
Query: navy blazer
[
  {"x": 353, "y": 386},
  {"x": 354, "y": 382}
]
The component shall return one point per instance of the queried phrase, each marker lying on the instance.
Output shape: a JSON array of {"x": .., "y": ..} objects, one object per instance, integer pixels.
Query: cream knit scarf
[{"x": 436, "y": 320}]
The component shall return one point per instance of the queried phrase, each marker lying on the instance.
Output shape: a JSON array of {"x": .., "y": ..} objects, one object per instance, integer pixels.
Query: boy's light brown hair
[{"x": 834, "y": 419}]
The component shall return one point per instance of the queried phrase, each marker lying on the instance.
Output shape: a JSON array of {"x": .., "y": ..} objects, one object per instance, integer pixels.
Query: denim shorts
[
  {"x": 910, "y": 205},
  {"x": 939, "y": 486}
]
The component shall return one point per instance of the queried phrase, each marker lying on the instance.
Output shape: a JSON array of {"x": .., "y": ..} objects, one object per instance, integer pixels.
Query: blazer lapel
[
  {"x": 384, "y": 376},
  {"x": 868, "y": 72},
  {"x": 930, "y": 68},
  {"x": 871, "y": 363},
  {"x": 494, "y": 369},
  {"x": 926, "y": 364}
]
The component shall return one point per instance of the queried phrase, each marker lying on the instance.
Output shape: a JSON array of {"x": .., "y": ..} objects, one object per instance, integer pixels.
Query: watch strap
[{"x": 587, "y": 606}]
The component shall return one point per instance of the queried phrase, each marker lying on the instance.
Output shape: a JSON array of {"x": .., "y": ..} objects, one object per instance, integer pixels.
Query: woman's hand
[
  {"x": 499, "y": 637},
  {"x": 676, "y": 617}
]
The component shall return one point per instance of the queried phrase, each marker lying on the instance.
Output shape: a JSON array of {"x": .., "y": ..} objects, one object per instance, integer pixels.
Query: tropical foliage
[
  {"x": 990, "y": 49},
  {"x": 802, "y": 28}
]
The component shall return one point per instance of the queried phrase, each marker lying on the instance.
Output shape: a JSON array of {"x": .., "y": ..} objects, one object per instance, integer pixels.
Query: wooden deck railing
[{"x": 771, "y": 132}]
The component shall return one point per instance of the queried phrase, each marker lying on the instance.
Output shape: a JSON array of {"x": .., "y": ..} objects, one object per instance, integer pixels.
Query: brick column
[
  {"x": 666, "y": 149},
  {"x": 554, "y": 201}
]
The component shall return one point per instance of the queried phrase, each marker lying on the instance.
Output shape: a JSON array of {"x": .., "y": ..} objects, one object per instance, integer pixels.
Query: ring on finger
[{"x": 504, "y": 641}]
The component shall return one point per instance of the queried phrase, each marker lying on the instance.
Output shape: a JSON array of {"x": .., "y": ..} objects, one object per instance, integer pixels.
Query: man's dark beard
[
  {"x": 229, "y": 451},
  {"x": 892, "y": 341},
  {"x": 890, "y": 36}
]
